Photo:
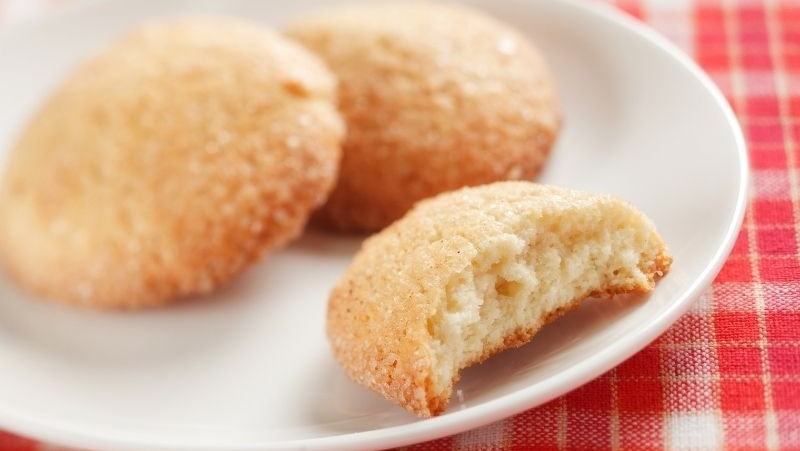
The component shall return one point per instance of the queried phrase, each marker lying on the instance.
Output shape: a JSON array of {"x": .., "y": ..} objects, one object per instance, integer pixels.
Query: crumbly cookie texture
[
  {"x": 472, "y": 272},
  {"x": 166, "y": 164},
  {"x": 436, "y": 97}
]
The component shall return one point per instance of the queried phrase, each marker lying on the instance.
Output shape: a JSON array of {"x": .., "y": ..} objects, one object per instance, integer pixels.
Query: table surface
[{"x": 727, "y": 374}]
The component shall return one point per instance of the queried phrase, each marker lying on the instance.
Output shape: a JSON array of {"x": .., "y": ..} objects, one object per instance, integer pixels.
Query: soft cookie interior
[{"x": 520, "y": 281}]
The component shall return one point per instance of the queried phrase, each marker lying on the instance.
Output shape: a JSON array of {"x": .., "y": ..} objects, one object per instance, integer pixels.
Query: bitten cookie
[
  {"x": 435, "y": 97},
  {"x": 472, "y": 272},
  {"x": 168, "y": 163}
]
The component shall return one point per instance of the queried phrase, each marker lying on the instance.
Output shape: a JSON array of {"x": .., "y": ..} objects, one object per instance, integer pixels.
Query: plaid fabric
[{"x": 727, "y": 374}]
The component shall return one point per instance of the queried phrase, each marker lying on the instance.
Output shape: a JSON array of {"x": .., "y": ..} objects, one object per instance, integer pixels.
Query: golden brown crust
[
  {"x": 380, "y": 311},
  {"x": 435, "y": 97},
  {"x": 168, "y": 163}
]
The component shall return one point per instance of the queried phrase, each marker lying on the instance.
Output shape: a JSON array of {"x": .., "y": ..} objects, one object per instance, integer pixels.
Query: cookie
[
  {"x": 469, "y": 273},
  {"x": 168, "y": 163},
  {"x": 435, "y": 97}
]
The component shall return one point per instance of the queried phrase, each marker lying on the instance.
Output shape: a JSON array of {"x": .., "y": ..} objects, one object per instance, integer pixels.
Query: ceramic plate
[{"x": 255, "y": 371}]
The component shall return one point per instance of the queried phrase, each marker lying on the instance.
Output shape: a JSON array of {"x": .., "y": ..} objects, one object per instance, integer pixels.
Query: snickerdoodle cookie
[
  {"x": 168, "y": 163},
  {"x": 435, "y": 97},
  {"x": 469, "y": 273}
]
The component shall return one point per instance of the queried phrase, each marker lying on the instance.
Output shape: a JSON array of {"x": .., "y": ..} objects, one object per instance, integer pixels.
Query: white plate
[{"x": 256, "y": 373}]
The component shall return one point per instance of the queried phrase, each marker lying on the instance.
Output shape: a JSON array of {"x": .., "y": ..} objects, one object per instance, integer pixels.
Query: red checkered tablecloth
[{"x": 727, "y": 374}]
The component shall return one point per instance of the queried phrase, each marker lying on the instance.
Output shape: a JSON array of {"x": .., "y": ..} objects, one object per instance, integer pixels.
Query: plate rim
[{"x": 502, "y": 406}]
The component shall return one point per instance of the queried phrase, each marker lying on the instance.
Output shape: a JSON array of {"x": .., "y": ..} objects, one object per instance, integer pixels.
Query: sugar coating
[
  {"x": 168, "y": 163},
  {"x": 469, "y": 273},
  {"x": 435, "y": 97}
]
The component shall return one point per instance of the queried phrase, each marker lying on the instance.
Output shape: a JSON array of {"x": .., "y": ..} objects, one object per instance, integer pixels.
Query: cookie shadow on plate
[
  {"x": 545, "y": 356},
  {"x": 349, "y": 407}
]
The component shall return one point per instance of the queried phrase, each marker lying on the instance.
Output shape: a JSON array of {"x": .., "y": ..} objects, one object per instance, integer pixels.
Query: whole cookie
[
  {"x": 435, "y": 97},
  {"x": 168, "y": 163}
]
